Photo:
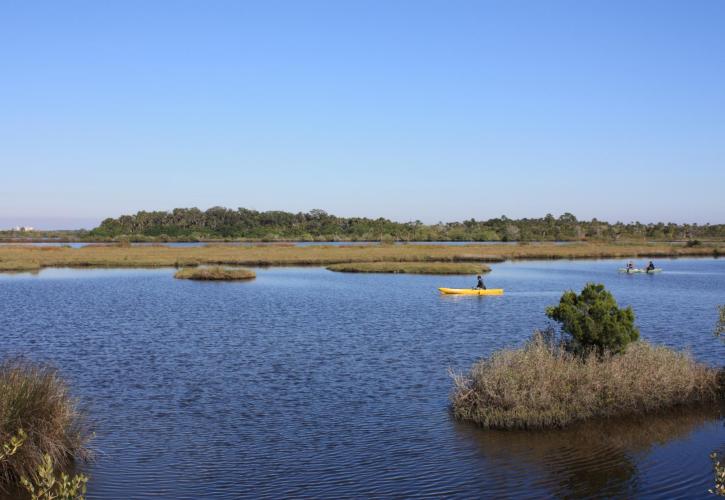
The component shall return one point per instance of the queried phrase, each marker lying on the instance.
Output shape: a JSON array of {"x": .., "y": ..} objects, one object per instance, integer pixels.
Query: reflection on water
[{"x": 602, "y": 458}]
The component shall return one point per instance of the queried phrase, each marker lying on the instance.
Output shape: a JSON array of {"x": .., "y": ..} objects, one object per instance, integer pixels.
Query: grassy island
[
  {"x": 216, "y": 273},
  {"x": 540, "y": 385},
  {"x": 597, "y": 368},
  {"x": 411, "y": 267}
]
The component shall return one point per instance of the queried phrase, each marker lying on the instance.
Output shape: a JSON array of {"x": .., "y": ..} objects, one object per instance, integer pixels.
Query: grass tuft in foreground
[
  {"x": 216, "y": 273},
  {"x": 38, "y": 414},
  {"x": 543, "y": 385},
  {"x": 411, "y": 267}
]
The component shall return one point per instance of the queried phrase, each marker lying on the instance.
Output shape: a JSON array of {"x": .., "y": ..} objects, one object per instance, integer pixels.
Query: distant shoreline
[
  {"x": 218, "y": 224},
  {"x": 342, "y": 240},
  {"x": 32, "y": 258}
]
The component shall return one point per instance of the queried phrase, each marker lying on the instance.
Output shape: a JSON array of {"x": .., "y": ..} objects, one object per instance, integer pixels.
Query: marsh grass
[
  {"x": 35, "y": 399},
  {"x": 216, "y": 273},
  {"x": 411, "y": 267},
  {"x": 14, "y": 258},
  {"x": 542, "y": 385}
]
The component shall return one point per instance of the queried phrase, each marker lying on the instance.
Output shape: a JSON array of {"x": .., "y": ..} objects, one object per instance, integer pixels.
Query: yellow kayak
[{"x": 471, "y": 291}]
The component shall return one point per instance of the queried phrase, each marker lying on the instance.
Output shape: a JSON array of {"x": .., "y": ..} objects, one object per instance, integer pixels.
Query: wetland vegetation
[
  {"x": 411, "y": 267},
  {"x": 596, "y": 368},
  {"x": 30, "y": 258},
  {"x": 40, "y": 422},
  {"x": 216, "y": 273},
  {"x": 543, "y": 385}
]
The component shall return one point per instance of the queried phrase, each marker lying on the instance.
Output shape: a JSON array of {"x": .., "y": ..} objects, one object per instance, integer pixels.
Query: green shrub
[
  {"x": 13, "y": 445},
  {"x": 719, "y": 468},
  {"x": 594, "y": 320},
  {"x": 693, "y": 243},
  {"x": 45, "y": 485}
]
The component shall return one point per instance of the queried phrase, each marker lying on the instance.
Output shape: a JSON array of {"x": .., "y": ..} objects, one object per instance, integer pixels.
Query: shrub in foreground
[
  {"x": 544, "y": 385},
  {"x": 35, "y": 399},
  {"x": 45, "y": 485},
  {"x": 49, "y": 486},
  {"x": 719, "y": 488}
]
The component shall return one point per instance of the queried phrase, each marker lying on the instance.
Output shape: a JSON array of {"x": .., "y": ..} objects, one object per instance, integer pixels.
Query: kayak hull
[
  {"x": 639, "y": 271},
  {"x": 471, "y": 291}
]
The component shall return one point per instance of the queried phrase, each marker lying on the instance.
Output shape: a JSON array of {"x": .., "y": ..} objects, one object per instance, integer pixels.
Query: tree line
[{"x": 224, "y": 223}]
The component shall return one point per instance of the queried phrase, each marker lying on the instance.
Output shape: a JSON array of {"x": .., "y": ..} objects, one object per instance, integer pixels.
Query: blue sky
[{"x": 431, "y": 110}]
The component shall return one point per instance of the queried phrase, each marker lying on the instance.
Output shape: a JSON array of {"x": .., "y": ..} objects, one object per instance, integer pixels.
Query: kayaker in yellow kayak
[{"x": 480, "y": 284}]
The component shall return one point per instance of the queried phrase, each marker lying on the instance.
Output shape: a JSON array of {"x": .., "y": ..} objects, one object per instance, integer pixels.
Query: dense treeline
[{"x": 224, "y": 223}]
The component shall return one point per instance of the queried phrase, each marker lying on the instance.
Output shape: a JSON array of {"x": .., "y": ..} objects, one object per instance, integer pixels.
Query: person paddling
[
  {"x": 480, "y": 284},
  {"x": 650, "y": 266}
]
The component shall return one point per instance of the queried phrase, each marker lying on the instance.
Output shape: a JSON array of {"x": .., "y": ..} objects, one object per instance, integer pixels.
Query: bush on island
[
  {"x": 598, "y": 368},
  {"x": 594, "y": 320},
  {"x": 544, "y": 385}
]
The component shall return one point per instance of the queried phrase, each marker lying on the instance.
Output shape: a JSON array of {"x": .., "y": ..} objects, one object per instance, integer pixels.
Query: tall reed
[{"x": 36, "y": 400}]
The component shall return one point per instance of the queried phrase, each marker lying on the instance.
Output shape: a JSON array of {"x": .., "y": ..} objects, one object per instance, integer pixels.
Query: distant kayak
[
  {"x": 639, "y": 271},
  {"x": 471, "y": 291}
]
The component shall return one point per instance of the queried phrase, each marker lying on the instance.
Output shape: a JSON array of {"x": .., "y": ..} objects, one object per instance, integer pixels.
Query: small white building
[{"x": 23, "y": 229}]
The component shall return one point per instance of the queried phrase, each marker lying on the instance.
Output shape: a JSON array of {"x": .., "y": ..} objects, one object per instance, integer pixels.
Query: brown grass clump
[
  {"x": 411, "y": 267},
  {"x": 35, "y": 399},
  {"x": 540, "y": 385},
  {"x": 216, "y": 273}
]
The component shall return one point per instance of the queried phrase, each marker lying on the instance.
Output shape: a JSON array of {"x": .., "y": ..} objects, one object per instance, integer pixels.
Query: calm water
[{"x": 308, "y": 383}]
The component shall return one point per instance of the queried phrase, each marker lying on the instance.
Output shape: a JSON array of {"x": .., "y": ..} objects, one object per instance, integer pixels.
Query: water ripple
[{"x": 312, "y": 384}]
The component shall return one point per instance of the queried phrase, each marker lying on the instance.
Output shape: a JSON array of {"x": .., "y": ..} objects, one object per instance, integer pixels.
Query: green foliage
[
  {"x": 719, "y": 488},
  {"x": 47, "y": 486},
  {"x": 594, "y": 320},
  {"x": 224, "y": 223},
  {"x": 44, "y": 484},
  {"x": 13, "y": 445},
  {"x": 693, "y": 243}
]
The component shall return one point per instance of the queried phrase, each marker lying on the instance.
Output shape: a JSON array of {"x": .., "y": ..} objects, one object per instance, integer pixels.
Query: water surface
[{"x": 308, "y": 383}]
